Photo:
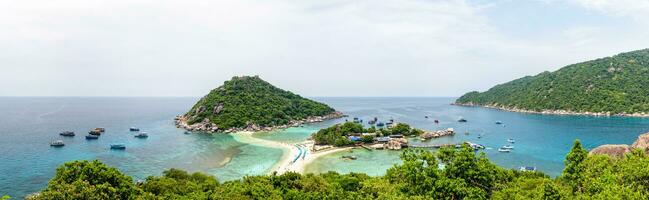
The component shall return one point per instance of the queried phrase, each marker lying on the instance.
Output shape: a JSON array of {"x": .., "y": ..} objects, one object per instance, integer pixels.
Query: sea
[{"x": 29, "y": 124}]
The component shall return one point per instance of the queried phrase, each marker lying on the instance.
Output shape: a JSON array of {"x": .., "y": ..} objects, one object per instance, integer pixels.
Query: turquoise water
[{"x": 27, "y": 125}]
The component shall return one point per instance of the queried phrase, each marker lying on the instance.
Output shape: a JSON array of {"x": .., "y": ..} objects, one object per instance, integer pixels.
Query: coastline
[
  {"x": 553, "y": 112},
  {"x": 290, "y": 152},
  {"x": 208, "y": 127}
]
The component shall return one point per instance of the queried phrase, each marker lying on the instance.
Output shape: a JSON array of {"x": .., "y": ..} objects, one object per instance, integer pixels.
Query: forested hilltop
[
  {"x": 248, "y": 102},
  {"x": 611, "y": 85},
  {"x": 446, "y": 174}
]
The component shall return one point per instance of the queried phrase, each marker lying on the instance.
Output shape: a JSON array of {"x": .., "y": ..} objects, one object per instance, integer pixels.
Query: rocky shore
[
  {"x": 553, "y": 112},
  {"x": 618, "y": 150},
  {"x": 439, "y": 133},
  {"x": 209, "y": 127}
]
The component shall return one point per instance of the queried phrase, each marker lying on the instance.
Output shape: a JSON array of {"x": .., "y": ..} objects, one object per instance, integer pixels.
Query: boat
[
  {"x": 499, "y": 122},
  {"x": 95, "y": 132},
  {"x": 92, "y": 137},
  {"x": 356, "y": 120},
  {"x": 466, "y": 133},
  {"x": 527, "y": 169},
  {"x": 504, "y": 150},
  {"x": 475, "y": 146},
  {"x": 187, "y": 132},
  {"x": 510, "y": 140},
  {"x": 507, "y": 147},
  {"x": 142, "y": 135},
  {"x": 480, "y": 136},
  {"x": 57, "y": 143},
  {"x": 426, "y": 116},
  {"x": 380, "y": 124},
  {"x": 134, "y": 129},
  {"x": 100, "y": 129},
  {"x": 117, "y": 146},
  {"x": 461, "y": 120},
  {"x": 67, "y": 133},
  {"x": 437, "y": 121}
]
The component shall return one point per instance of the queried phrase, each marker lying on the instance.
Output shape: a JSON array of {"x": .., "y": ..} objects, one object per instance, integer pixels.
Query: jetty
[{"x": 431, "y": 146}]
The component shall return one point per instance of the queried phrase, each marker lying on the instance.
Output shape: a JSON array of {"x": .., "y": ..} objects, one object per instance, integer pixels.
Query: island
[
  {"x": 248, "y": 103},
  {"x": 616, "y": 85}
]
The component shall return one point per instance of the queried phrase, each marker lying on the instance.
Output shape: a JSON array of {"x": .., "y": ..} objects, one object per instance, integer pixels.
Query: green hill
[
  {"x": 617, "y": 84},
  {"x": 249, "y": 101}
]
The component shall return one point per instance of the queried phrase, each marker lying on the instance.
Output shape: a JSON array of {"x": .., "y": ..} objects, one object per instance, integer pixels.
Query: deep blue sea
[{"x": 28, "y": 124}]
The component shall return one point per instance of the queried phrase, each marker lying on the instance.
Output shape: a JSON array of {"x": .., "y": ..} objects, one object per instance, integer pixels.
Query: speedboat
[
  {"x": 100, "y": 129},
  {"x": 504, "y": 150},
  {"x": 118, "y": 146},
  {"x": 461, "y": 120},
  {"x": 499, "y": 122},
  {"x": 92, "y": 137},
  {"x": 510, "y": 140},
  {"x": 187, "y": 132},
  {"x": 142, "y": 135},
  {"x": 437, "y": 121},
  {"x": 508, "y": 147},
  {"x": 57, "y": 143},
  {"x": 134, "y": 129},
  {"x": 67, "y": 133}
]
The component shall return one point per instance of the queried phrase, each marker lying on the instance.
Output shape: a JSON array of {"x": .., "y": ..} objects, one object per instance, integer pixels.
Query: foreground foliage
[
  {"x": 445, "y": 174},
  {"x": 617, "y": 84},
  {"x": 247, "y": 100}
]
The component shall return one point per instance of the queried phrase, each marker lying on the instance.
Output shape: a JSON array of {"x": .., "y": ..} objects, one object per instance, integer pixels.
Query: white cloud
[
  {"x": 316, "y": 48},
  {"x": 638, "y": 9}
]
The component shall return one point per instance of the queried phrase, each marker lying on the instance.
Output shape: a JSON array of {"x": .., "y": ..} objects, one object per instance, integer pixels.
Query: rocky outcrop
[
  {"x": 618, "y": 150},
  {"x": 396, "y": 143},
  {"x": 438, "y": 133},
  {"x": 642, "y": 142},
  {"x": 612, "y": 150},
  {"x": 209, "y": 127}
]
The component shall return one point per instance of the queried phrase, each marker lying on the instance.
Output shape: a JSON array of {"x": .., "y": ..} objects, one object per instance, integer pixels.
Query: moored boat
[
  {"x": 57, "y": 143},
  {"x": 350, "y": 157},
  {"x": 67, "y": 133},
  {"x": 436, "y": 121},
  {"x": 100, "y": 129},
  {"x": 94, "y": 132},
  {"x": 142, "y": 135},
  {"x": 134, "y": 129},
  {"x": 380, "y": 124},
  {"x": 507, "y": 147},
  {"x": 510, "y": 140},
  {"x": 117, "y": 146},
  {"x": 92, "y": 137},
  {"x": 499, "y": 122},
  {"x": 527, "y": 169},
  {"x": 187, "y": 132},
  {"x": 461, "y": 120}
]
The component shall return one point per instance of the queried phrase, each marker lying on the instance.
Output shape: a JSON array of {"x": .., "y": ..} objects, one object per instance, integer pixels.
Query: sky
[{"x": 313, "y": 48}]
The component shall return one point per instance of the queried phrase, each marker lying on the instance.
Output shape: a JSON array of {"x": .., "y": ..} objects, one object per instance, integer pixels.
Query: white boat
[
  {"x": 507, "y": 147},
  {"x": 504, "y": 150},
  {"x": 527, "y": 169},
  {"x": 511, "y": 140}
]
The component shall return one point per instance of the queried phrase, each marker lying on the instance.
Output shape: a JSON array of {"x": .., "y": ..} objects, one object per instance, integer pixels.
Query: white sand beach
[{"x": 289, "y": 162}]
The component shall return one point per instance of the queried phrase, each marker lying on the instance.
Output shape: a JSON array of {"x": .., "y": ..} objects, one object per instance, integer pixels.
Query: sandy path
[{"x": 289, "y": 152}]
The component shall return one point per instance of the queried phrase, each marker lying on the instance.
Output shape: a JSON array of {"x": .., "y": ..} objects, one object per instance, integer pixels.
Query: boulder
[
  {"x": 642, "y": 142},
  {"x": 612, "y": 150}
]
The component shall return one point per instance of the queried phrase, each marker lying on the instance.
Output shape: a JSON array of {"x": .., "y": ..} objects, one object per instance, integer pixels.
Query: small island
[
  {"x": 608, "y": 86},
  {"x": 351, "y": 133},
  {"x": 248, "y": 103}
]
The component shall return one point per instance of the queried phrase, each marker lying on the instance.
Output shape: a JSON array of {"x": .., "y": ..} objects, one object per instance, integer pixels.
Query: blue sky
[{"x": 314, "y": 48}]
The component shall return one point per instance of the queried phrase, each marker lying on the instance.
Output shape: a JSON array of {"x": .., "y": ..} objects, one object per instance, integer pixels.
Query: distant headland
[{"x": 611, "y": 86}]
